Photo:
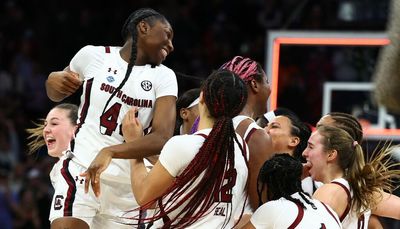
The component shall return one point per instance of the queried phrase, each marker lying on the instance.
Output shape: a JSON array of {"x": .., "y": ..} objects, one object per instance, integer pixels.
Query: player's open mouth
[{"x": 50, "y": 142}]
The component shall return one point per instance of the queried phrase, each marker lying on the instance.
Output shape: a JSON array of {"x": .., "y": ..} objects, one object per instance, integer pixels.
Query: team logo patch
[
  {"x": 58, "y": 202},
  {"x": 146, "y": 85},
  {"x": 110, "y": 79}
]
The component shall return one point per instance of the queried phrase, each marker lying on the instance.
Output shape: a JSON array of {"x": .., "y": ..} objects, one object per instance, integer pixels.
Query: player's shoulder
[
  {"x": 260, "y": 139},
  {"x": 91, "y": 51},
  {"x": 164, "y": 69},
  {"x": 332, "y": 194},
  {"x": 187, "y": 138},
  {"x": 330, "y": 189},
  {"x": 276, "y": 207},
  {"x": 183, "y": 144}
]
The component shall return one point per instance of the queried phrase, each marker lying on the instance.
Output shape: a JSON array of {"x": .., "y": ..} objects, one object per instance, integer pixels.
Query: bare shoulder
[
  {"x": 333, "y": 195},
  {"x": 260, "y": 143},
  {"x": 332, "y": 191}
]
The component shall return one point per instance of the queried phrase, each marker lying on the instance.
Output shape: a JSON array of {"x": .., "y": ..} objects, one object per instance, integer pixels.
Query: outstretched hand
[{"x": 92, "y": 174}]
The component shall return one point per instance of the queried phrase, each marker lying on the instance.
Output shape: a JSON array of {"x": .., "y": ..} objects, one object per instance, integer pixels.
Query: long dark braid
[
  {"x": 225, "y": 95},
  {"x": 282, "y": 176},
  {"x": 349, "y": 123},
  {"x": 129, "y": 30}
]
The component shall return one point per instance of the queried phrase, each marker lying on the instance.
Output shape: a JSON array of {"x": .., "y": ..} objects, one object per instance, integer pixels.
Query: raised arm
[{"x": 62, "y": 84}]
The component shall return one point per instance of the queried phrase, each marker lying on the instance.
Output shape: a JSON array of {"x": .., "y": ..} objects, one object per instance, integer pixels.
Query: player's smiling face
[
  {"x": 317, "y": 157},
  {"x": 157, "y": 42},
  {"x": 58, "y": 131},
  {"x": 280, "y": 131}
]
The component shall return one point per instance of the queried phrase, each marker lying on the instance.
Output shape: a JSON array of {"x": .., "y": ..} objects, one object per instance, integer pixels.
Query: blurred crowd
[{"x": 37, "y": 37}]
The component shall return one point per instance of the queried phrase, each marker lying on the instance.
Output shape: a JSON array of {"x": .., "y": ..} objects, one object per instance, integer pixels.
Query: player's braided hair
[
  {"x": 225, "y": 95},
  {"x": 246, "y": 68},
  {"x": 129, "y": 30},
  {"x": 349, "y": 123},
  {"x": 282, "y": 176}
]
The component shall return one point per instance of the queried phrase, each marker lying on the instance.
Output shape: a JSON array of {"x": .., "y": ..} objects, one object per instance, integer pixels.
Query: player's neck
[
  {"x": 248, "y": 111},
  {"x": 205, "y": 122}
]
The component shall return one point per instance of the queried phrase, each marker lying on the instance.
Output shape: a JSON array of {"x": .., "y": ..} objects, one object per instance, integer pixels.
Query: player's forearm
[
  {"x": 52, "y": 93},
  {"x": 139, "y": 148},
  {"x": 55, "y": 96},
  {"x": 138, "y": 174}
]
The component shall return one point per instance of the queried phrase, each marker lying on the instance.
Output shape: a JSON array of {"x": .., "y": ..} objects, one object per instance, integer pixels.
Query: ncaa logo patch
[
  {"x": 110, "y": 79},
  {"x": 146, "y": 85},
  {"x": 58, "y": 202}
]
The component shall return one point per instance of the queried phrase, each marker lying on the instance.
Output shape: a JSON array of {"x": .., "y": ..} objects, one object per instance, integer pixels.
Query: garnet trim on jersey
[
  {"x": 86, "y": 104},
  {"x": 251, "y": 132},
  {"x": 299, "y": 217},
  {"x": 361, "y": 221},
  {"x": 69, "y": 200},
  {"x": 107, "y": 49},
  {"x": 331, "y": 213},
  {"x": 348, "y": 197}
]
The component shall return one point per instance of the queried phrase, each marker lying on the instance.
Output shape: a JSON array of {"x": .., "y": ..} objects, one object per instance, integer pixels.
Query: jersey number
[
  {"x": 109, "y": 119},
  {"x": 225, "y": 194}
]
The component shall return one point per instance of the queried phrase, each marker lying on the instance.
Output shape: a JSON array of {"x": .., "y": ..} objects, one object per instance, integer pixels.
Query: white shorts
[{"x": 70, "y": 199}]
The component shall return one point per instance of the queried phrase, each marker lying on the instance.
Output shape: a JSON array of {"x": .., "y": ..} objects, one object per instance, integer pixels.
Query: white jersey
[
  {"x": 349, "y": 218},
  {"x": 185, "y": 148},
  {"x": 250, "y": 129},
  {"x": 102, "y": 70},
  {"x": 284, "y": 213},
  {"x": 310, "y": 186},
  {"x": 253, "y": 126}
]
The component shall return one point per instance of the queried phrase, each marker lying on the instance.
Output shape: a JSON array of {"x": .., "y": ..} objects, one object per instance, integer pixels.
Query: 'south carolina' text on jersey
[{"x": 126, "y": 99}]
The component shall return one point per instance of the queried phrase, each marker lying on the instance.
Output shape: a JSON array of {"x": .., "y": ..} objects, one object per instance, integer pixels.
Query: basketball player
[
  {"x": 351, "y": 125},
  {"x": 114, "y": 80},
  {"x": 288, "y": 133},
  {"x": 186, "y": 111},
  {"x": 56, "y": 132},
  {"x": 288, "y": 206},
  {"x": 258, "y": 140},
  {"x": 200, "y": 179},
  {"x": 352, "y": 187}
]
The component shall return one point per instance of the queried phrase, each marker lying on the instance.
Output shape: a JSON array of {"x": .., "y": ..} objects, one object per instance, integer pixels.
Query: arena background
[{"x": 37, "y": 37}]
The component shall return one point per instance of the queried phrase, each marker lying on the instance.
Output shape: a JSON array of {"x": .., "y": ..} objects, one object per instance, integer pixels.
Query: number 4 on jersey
[{"x": 109, "y": 119}]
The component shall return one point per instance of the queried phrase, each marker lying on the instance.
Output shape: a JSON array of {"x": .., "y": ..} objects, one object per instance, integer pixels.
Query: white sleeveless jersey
[
  {"x": 102, "y": 70},
  {"x": 231, "y": 200},
  {"x": 284, "y": 213},
  {"x": 253, "y": 126},
  {"x": 349, "y": 218},
  {"x": 250, "y": 129}
]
